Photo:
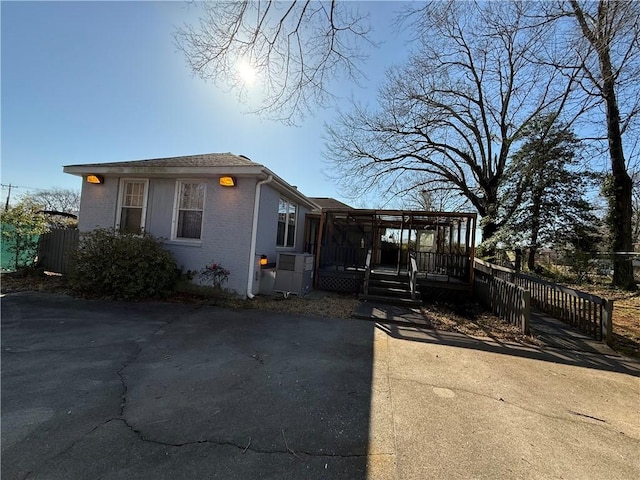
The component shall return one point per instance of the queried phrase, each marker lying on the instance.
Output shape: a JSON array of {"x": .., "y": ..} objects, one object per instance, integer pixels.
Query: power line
[{"x": 11, "y": 185}]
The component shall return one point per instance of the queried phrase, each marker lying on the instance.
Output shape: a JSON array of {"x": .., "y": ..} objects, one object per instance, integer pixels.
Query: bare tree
[
  {"x": 294, "y": 48},
  {"x": 56, "y": 200},
  {"x": 453, "y": 113}
]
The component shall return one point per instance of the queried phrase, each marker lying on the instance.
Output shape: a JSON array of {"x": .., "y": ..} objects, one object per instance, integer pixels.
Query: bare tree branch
[{"x": 295, "y": 48}]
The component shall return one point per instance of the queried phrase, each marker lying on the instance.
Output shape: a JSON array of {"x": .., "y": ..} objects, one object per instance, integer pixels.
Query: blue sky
[{"x": 86, "y": 82}]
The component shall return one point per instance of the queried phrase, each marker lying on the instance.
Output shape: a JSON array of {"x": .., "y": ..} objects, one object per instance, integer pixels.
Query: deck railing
[
  {"x": 588, "y": 313},
  {"x": 506, "y": 300},
  {"x": 367, "y": 273},
  {"x": 413, "y": 272},
  {"x": 450, "y": 264},
  {"x": 342, "y": 256}
]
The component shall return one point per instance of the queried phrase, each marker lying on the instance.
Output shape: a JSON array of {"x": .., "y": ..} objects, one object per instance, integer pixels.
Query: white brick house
[{"x": 183, "y": 201}]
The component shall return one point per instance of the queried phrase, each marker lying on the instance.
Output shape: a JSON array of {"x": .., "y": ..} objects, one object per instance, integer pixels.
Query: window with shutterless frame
[
  {"x": 132, "y": 205},
  {"x": 287, "y": 213},
  {"x": 188, "y": 212}
]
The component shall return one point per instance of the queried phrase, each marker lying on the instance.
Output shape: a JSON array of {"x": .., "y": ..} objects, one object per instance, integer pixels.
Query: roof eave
[
  {"x": 289, "y": 190},
  {"x": 193, "y": 172},
  {"x": 211, "y": 171}
]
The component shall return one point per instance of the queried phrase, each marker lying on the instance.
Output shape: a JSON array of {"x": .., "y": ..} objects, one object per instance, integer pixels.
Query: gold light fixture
[
  {"x": 263, "y": 260},
  {"x": 228, "y": 181},
  {"x": 95, "y": 179}
]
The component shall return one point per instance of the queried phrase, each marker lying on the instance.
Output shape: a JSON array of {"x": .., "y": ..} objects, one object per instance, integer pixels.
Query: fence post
[
  {"x": 526, "y": 311},
  {"x": 607, "y": 321}
]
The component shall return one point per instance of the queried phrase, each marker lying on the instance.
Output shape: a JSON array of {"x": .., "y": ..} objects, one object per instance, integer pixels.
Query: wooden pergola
[{"x": 441, "y": 242}]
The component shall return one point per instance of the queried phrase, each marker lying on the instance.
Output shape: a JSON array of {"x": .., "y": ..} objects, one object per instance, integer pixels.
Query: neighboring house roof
[
  {"x": 205, "y": 165},
  {"x": 59, "y": 214},
  {"x": 328, "y": 202}
]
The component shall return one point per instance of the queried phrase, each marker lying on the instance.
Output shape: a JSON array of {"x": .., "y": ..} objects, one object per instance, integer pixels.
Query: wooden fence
[
  {"x": 506, "y": 300},
  {"x": 55, "y": 249},
  {"x": 588, "y": 313}
]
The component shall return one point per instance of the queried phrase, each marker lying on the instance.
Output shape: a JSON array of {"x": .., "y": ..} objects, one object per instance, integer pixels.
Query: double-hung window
[
  {"x": 189, "y": 210},
  {"x": 286, "y": 223},
  {"x": 132, "y": 205}
]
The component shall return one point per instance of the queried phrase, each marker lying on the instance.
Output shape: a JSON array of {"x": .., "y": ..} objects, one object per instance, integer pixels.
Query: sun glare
[{"x": 246, "y": 72}]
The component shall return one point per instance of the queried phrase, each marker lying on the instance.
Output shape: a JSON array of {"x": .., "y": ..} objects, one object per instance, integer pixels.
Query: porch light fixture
[
  {"x": 263, "y": 260},
  {"x": 95, "y": 179},
  {"x": 228, "y": 181}
]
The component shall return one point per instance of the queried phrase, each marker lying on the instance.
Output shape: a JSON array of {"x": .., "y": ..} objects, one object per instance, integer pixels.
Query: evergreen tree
[{"x": 545, "y": 190}]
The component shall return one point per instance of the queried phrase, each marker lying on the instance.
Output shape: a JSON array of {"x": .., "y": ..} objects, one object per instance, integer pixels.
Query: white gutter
[{"x": 254, "y": 235}]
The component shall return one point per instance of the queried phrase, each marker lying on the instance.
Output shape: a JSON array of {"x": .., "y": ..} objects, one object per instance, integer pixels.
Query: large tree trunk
[
  {"x": 531, "y": 257},
  {"x": 487, "y": 207},
  {"x": 518, "y": 259},
  {"x": 489, "y": 213},
  {"x": 620, "y": 196},
  {"x": 489, "y": 229},
  {"x": 535, "y": 229},
  {"x": 620, "y": 209}
]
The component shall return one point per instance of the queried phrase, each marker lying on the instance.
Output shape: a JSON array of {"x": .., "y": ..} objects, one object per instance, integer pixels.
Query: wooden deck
[{"x": 350, "y": 280}]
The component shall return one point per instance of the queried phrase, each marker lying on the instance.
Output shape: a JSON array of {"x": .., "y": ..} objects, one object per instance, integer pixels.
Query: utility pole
[{"x": 6, "y": 205}]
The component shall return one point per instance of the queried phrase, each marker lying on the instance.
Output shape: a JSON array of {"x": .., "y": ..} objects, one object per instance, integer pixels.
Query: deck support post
[{"x": 607, "y": 322}]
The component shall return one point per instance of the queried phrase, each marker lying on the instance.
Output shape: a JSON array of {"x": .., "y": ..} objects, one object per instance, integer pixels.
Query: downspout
[{"x": 254, "y": 235}]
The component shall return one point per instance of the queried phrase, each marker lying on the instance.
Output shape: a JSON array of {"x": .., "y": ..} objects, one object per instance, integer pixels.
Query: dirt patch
[
  {"x": 319, "y": 303},
  {"x": 32, "y": 282},
  {"x": 473, "y": 320}
]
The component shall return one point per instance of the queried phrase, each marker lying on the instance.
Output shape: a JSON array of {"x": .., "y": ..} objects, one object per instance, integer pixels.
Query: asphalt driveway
[{"x": 94, "y": 389}]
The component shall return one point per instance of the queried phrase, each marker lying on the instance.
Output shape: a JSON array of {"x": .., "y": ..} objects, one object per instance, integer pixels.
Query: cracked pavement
[{"x": 110, "y": 390}]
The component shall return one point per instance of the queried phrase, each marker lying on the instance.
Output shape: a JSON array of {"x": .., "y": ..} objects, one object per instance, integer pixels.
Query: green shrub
[
  {"x": 21, "y": 227},
  {"x": 123, "y": 266}
]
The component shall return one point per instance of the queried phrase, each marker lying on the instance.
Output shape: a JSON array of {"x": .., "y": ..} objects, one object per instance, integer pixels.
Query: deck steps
[
  {"x": 407, "y": 302},
  {"x": 390, "y": 289}
]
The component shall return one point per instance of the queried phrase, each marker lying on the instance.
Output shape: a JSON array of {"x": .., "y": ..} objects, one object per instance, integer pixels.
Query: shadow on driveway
[
  {"x": 94, "y": 389},
  {"x": 562, "y": 344},
  {"x": 595, "y": 360}
]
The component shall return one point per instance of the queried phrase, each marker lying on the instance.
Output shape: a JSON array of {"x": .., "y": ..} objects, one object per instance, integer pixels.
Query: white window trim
[
  {"x": 143, "y": 217},
  {"x": 286, "y": 229},
  {"x": 176, "y": 211}
]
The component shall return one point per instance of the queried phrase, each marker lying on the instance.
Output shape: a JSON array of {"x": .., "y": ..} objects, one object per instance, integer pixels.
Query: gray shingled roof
[
  {"x": 205, "y": 160},
  {"x": 328, "y": 202}
]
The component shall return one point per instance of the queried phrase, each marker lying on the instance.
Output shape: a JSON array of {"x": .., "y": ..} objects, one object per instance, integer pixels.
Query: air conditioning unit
[{"x": 294, "y": 273}]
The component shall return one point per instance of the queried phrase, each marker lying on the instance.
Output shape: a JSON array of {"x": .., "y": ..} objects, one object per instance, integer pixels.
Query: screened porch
[{"x": 349, "y": 242}]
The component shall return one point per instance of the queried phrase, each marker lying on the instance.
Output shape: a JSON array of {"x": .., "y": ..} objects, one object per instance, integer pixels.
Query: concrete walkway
[
  {"x": 382, "y": 312},
  {"x": 111, "y": 390},
  {"x": 552, "y": 333},
  {"x": 557, "y": 334}
]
